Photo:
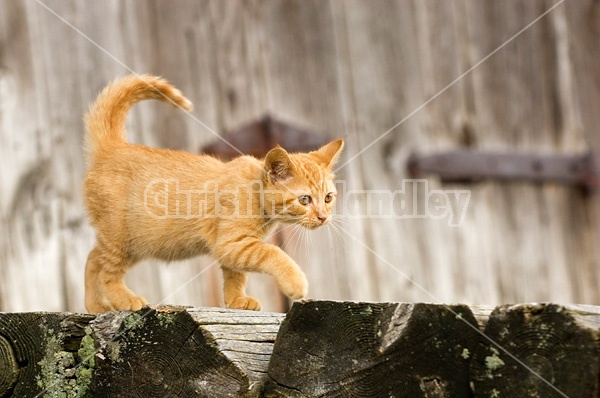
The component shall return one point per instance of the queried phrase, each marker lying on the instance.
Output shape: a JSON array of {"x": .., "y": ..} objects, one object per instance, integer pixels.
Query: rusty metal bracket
[
  {"x": 258, "y": 137},
  {"x": 472, "y": 166}
]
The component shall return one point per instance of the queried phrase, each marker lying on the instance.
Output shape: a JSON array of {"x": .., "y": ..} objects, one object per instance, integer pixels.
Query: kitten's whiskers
[
  {"x": 336, "y": 229},
  {"x": 294, "y": 237}
]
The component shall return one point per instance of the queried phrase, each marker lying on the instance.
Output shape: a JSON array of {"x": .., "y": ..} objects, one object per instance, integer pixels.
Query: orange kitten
[{"x": 171, "y": 205}]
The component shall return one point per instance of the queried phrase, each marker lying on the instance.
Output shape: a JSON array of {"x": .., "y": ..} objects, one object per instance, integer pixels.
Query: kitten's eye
[
  {"x": 328, "y": 197},
  {"x": 304, "y": 200}
]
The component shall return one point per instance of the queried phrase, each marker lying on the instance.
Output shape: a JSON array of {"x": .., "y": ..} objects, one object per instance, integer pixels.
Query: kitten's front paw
[
  {"x": 97, "y": 307},
  {"x": 294, "y": 286},
  {"x": 245, "y": 303},
  {"x": 129, "y": 303}
]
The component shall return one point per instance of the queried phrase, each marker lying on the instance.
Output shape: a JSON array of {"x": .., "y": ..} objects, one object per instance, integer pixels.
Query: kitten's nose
[{"x": 322, "y": 218}]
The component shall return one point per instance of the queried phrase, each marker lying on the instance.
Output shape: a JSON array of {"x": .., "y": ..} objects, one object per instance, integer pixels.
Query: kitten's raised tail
[{"x": 105, "y": 121}]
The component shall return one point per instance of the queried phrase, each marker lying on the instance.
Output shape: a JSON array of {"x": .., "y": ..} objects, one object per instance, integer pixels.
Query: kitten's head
[{"x": 299, "y": 186}]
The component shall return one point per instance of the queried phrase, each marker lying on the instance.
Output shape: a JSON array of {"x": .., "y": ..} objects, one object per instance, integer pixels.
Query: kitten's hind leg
[
  {"x": 94, "y": 300},
  {"x": 113, "y": 287},
  {"x": 105, "y": 289},
  {"x": 234, "y": 287}
]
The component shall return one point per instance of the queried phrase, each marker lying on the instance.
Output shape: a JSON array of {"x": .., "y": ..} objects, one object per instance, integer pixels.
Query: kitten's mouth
[{"x": 315, "y": 224}]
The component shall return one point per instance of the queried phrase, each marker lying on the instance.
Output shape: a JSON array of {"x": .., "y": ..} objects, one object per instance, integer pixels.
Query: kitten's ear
[
  {"x": 278, "y": 164},
  {"x": 329, "y": 154}
]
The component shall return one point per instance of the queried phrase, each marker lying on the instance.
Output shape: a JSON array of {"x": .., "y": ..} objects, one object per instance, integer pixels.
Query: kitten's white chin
[{"x": 314, "y": 225}]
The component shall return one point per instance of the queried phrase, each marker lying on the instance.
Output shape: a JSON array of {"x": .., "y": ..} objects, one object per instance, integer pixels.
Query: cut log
[
  {"x": 539, "y": 350},
  {"x": 204, "y": 352},
  {"x": 36, "y": 349},
  {"x": 344, "y": 349},
  {"x": 163, "y": 352},
  {"x": 321, "y": 348}
]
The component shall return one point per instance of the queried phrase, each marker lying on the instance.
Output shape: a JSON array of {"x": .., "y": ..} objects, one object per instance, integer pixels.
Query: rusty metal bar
[
  {"x": 471, "y": 166},
  {"x": 257, "y": 137}
]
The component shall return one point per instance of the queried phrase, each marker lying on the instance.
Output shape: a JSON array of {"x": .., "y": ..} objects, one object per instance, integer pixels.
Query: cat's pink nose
[{"x": 322, "y": 218}]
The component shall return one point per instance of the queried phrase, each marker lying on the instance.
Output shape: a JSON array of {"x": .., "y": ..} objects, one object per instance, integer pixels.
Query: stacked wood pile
[{"x": 321, "y": 348}]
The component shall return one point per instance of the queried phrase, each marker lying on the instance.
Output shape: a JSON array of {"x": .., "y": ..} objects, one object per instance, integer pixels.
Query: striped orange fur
[{"x": 171, "y": 205}]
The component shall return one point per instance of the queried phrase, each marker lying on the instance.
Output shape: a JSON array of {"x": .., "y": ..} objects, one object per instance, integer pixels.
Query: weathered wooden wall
[{"x": 351, "y": 68}]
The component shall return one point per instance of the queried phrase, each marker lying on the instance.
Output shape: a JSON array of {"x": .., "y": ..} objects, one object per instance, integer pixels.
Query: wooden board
[
  {"x": 353, "y": 69},
  {"x": 320, "y": 348}
]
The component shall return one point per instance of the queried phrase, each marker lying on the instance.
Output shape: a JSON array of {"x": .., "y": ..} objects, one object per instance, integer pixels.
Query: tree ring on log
[
  {"x": 9, "y": 368},
  {"x": 539, "y": 350},
  {"x": 327, "y": 348},
  {"x": 164, "y": 353},
  {"x": 156, "y": 370},
  {"x": 542, "y": 367}
]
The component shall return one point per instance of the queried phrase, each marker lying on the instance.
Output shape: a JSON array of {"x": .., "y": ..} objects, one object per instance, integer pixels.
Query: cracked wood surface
[
  {"x": 352, "y": 68},
  {"x": 338, "y": 349},
  {"x": 319, "y": 349},
  {"x": 167, "y": 351}
]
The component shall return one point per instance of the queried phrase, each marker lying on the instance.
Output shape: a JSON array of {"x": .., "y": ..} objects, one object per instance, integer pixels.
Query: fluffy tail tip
[
  {"x": 181, "y": 101},
  {"x": 187, "y": 104}
]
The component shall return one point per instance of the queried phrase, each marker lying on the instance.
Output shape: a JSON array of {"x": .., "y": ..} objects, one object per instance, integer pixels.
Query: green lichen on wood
[
  {"x": 493, "y": 362},
  {"x": 465, "y": 353},
  {"x": 165, "y": 319},
  {"x": 133, "y": 321},
  {"x": 134, "y": 328},
  {"x": 61, "y": 376},
  {"x": 113, "y": 350},
  {"x": 85, "y": 369},
  {"x": 53, "y": 365},
  {"x": 87, "y": 349}
]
